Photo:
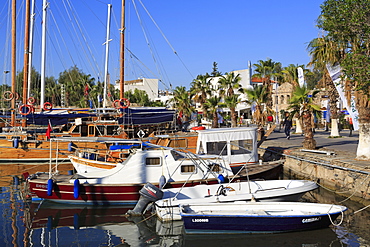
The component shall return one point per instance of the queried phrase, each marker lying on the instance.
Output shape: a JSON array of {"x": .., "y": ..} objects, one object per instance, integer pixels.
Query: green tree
[
  {"x": 75, "y": 82},
  {"x": 213, "y": 104},
  {"x": 324, "y": 51},
  {"x": 231, "y": 102},
  {"x": 182, "y": 102},
  {"x": 347, "y": 22},
  {"x": 290, "y": 73},
  {"x": 229, "y": 82},
  {"x": 201, "y": 89},
  {"x": 215, "y": 72},
  {"x": 267, "y": 70},
  {"x": 257, "y": 97},
  {"x": 302, "y": 106},
  {"x": 140, "y": 97}
]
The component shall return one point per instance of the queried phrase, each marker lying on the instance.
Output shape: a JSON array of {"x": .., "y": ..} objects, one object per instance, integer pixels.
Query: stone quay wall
[{"x": 335, "y": 173}]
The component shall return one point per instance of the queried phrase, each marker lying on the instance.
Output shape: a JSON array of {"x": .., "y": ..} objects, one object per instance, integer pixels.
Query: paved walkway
[{"x": 344, "y": 147}]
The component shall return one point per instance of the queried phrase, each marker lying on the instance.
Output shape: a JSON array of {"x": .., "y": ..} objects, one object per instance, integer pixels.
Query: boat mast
[
  {"x": 30, "y": 48},
  {"x": 43, "y": 51},
  {"x": 13, "y": 70},
  {"x": 26, "y": 57},
  {"x": 122, "y": 52},
  {"x": 106, "y": 57}
]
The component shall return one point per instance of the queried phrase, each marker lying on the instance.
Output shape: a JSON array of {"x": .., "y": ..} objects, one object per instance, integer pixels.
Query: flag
[
  {"x": 328, "y": 113},
  {"x": 335, "y": 74},
  {"x": 301, "y": 80},
  {"x": 87, "y": 89},
  {"x": 49, "y": 130}
]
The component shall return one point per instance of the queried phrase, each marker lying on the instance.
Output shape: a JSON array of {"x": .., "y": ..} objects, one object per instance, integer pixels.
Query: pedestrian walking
[
  {"x": 287, "y": 125},
  {"x": 350, "y": 127}
]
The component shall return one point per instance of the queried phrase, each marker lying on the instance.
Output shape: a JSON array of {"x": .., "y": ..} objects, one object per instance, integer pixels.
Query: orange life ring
[
  {"x": 8, "y": 95},
  {"x": 121, "y": 105},
  {"x": 47, "y": 106},
  {"x": 198, "y": 128},
  {"x": 31, "y": 100},
  {"x": 16, "y": 96},
  {"x": 29, "y": 108}
]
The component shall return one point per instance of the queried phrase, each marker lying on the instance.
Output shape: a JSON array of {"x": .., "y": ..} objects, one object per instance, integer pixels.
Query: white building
[{"x": 150, "y": 86}]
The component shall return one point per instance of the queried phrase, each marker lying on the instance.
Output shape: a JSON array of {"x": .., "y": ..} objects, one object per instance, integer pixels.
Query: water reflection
[{"x": 53, "y": 224}]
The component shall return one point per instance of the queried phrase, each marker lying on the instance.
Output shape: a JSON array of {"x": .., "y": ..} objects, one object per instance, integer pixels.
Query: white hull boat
[{"x": 167, "y": 208}]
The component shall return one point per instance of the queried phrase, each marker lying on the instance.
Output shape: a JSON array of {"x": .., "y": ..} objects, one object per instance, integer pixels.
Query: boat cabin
[{"x": 236, "y": 145}]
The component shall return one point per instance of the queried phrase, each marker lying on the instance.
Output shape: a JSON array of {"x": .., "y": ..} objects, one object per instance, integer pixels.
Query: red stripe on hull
[{"x": 99, "y": 194}]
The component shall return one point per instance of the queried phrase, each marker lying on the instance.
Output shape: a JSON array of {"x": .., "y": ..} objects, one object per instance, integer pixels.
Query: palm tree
[
  {"x": 290, "y": 73},
  {"x": 231, "y": 102},
  {"x": 324, "y": 50},
  {"x": 257, "y": 98},
  {"x": 182, "y": 102},
  {"x": 302, "y": 105},
  {"x": 201, "y": 89},
  {"x": 212, "y": 104},
  {"x": 266, "y": 70},
  {"x": 228, "y": 83}
]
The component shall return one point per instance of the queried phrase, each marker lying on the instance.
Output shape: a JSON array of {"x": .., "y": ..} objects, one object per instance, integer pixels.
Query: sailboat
[{"x": 88, "y": 129}]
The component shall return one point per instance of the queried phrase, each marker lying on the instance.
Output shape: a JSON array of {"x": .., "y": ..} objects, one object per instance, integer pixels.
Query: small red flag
[
  {"x": 87, "y": 89},
  {"x": 48, "y": 131}
]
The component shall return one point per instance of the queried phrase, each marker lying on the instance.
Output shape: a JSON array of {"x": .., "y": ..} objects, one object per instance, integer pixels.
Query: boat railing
[{"x": 275, "y": 188}]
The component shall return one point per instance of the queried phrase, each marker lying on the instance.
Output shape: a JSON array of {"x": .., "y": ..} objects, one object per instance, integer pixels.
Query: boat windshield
[{"x": 177, "y": 155}]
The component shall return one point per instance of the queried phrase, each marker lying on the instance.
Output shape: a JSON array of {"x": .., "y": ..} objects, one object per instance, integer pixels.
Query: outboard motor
[{"x": 149, "y": 193}]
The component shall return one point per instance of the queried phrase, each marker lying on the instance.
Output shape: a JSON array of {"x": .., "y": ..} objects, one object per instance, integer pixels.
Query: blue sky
[{"x": 201, "y": 32}]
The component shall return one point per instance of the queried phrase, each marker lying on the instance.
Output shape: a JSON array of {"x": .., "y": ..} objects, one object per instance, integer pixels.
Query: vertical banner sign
[
  {"x": 335, "y": 74},
  {"x": 300, "y": 77}
]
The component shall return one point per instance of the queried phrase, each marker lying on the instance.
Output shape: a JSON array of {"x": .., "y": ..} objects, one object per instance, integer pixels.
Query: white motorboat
[{"x": 167, "y": 208}]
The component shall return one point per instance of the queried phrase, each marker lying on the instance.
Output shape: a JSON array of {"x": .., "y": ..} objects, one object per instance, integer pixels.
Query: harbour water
[{"x": 24, "y": 223}]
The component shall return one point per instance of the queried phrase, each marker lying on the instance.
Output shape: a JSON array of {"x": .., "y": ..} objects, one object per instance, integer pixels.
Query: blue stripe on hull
[{"x": 239, "y": 224}]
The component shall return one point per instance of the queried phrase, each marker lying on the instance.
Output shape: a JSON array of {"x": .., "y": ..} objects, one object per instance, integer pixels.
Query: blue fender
[
  {"x": 15, "y": 143},
  {"x": 221, "y": 179},
  {"x": 162, "y": 182},
  {"x": 15, "y": 180},
  {"x": 50, "y": 187},
  {"x": 70, "y": 147},
  {"x": 76, "y": 188}
]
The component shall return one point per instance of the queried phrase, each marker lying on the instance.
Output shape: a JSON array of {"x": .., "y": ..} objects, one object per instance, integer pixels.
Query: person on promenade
[{"x": 287, "y": 125}]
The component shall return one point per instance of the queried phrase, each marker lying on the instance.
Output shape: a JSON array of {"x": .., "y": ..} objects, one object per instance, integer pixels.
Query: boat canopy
[{"x": 146, "y": 116}]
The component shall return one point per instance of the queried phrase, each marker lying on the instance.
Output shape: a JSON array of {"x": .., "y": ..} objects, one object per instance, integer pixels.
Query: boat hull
[
  {"x": 254, "y": 224},
  {"x": 209, "y": 221},
  {"x": 168, "y": 209},
  {"x": 94, "y": 194}
]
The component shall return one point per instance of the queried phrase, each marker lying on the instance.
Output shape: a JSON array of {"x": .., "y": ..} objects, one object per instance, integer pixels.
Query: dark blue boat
[{"x": 258, "y": 217}]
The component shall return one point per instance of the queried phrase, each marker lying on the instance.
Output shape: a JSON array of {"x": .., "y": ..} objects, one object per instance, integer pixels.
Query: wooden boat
[
  {"x": 258, "y": 217},
  {"x": 235, "y": 146},
  {"x": 121, "y": 185},
  {"x": 167, "y": 209}
]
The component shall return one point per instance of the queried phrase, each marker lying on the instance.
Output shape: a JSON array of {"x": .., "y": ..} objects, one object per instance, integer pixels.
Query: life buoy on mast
[
  {"x": 26, "y": 109},
  {"x": 47, "y": 106},
  {"x": 8, "y": 95},
  {"x": 120, "y": 105},
  {"x": 31, "y": 100}
]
